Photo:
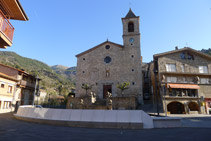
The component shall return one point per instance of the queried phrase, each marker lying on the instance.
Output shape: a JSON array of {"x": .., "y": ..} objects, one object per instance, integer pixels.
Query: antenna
[{"x": 186, "y": 44}]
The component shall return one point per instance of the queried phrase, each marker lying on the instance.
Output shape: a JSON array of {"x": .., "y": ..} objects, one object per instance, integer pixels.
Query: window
[
  {"x": 9, "y": 89},
  {"x": 130, "y": 27},
  {"x": 107, "y": 46},
  {"x": 182, "y": 55},
  {"x": 209, "y": 104},
  {"x": 133, "y": 83},
  {"x": 183, "y": 68},
  {"x": 204, "y": 81},
  {"x": 203, "y": 69},
  {"x": 2, "y": 85},
  {"x": 170, "y": 67},
  {"x": 107, "y": 59},
  {"x": 132, "y": 56},
  {"x": 171, "y": 79},
  {"x": 133, "y": 70},
  {"x": 107, "y": 73},
  {"x": 7, "y": 105},
  {"x": 84, "y": 59},
  {"x": 190, "y": 57},
  {"x": 83, "y": 71}
]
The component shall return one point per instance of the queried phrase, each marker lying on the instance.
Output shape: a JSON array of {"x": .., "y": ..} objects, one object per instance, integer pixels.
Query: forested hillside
[{"x": 52, "y": 82}]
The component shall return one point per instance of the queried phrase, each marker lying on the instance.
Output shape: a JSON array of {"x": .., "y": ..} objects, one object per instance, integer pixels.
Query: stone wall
[
  {"x": 129, "y": 103},
  {"x": 122, "y": 68},
  {"x": 191, "y": 66}
]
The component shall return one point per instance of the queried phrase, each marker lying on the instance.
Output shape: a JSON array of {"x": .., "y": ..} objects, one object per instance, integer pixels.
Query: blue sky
[{"x": 57, "y": 30}]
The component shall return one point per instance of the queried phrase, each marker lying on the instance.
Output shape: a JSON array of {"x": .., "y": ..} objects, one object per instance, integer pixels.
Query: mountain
[
  {"x": 69, "y": 73},
  {"x": 207, "y": 51},
  {"x": 52, "y": 82},
  {"x": 59, "y": 67}
]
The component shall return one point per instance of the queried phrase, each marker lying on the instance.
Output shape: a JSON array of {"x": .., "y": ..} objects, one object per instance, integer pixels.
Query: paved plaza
[{"x": 16, "y": 130}]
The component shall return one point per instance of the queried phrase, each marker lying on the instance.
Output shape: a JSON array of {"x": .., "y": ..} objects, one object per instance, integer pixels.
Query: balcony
[
  {"x": 24, "y": 83},
  {"x": 6, "y": 31}
]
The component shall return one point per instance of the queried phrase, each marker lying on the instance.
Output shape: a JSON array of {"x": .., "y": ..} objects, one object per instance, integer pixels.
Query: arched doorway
[
  {"x": 176, "y": 108},
  {"x": 193, "y": 106}
]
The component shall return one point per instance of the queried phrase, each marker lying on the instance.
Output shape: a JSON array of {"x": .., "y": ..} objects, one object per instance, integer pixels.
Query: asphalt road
[{"x": 15, "y": 130}]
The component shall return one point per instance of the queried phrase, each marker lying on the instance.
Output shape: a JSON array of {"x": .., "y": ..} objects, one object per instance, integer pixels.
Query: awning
[{"x": 184, "y": 86}]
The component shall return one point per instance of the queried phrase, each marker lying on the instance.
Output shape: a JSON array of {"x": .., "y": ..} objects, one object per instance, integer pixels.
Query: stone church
[{"x": 109, "y": 64}]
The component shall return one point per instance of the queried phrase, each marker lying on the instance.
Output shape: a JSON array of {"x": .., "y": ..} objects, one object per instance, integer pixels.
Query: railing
[
  {"x": 182, "y": 95},
  {"x": 25, "y": 83},
  {"x": 6, "y": 27}
]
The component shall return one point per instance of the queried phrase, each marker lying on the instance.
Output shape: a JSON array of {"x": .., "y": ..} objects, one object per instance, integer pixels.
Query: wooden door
[{"x": 106, "y": 89}]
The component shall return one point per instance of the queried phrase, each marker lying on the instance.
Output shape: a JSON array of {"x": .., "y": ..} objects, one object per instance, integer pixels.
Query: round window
[
  {"x": 107, "y": 46},
  {"x": 107, "y": 59}
]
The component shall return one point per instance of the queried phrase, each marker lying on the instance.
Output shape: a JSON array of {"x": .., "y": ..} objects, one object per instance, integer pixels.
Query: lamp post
[
  {"x": 156, "y": 93},
  {"x": 35, "y": 89},
  {"x": 49, "y": 100}
]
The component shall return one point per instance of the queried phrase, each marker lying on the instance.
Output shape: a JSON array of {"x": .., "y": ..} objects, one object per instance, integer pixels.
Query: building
[
  {"x": 17, "y": 88},
  {"x": 41, "y": 97},
  {"x": 29, "y": 86},
  {"x": 108, "y": 64},
  {"x": 183, "y": 80},
  {"x": 7, "y": 92},
  {"x": 9, "y": 9}
]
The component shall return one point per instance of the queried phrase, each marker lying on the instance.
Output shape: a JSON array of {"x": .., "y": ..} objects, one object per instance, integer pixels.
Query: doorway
[
  {"x": 176, "y": 108},
  {"x": 106, "y": 89}
]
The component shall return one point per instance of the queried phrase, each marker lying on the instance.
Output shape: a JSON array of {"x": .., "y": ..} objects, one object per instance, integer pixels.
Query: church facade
[{"x": 109, "y": 64}]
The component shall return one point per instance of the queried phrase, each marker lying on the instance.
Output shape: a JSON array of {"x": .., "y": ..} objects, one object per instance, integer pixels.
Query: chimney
[{"x": 176, "y": 47}]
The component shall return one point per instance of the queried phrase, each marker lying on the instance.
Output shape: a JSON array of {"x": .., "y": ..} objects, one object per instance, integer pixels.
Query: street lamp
[{"x": 156, "y": 93}]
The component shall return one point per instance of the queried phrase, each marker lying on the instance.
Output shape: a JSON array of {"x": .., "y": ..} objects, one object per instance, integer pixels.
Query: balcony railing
[
  {"x": 6, "y": 27},
  {"x": 25, "y": 83}
]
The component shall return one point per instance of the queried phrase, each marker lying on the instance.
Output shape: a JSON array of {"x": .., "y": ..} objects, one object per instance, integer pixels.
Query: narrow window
[
  {"x": 183, "y": 68},
  {"x": 133, "y": 83},
  {"x": 182, "y": 55},
  {"x": 130, "y": 27},
  {"x": 190, "y": 57},
  {"x": 9, "y": 89},
  {"x": 132, "y": 69},
  {"x": 107, "y": 73}
]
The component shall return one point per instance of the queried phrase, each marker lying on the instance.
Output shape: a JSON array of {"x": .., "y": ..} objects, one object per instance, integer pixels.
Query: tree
[
  {"x": 123, "y": 86},
  {"x": 86, "y": 87}
]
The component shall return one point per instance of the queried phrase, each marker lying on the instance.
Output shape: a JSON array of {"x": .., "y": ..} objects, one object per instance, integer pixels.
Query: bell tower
[
  {"x": 132, "y": 52},
  {"x": 131, "y": 34}
]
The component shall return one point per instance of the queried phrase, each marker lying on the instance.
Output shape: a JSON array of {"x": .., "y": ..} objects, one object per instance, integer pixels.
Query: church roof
[
  {"x": 91, "y": 49},
  {"x": 130, "y": 14}
]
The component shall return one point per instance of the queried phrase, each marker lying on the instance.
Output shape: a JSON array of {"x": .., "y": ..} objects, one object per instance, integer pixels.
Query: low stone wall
[
  {"x": 121, "y": 103},
  {"x": 132, "y": 119},
  {"x": 124, "y": 103},
  {"x": 167, "y": 122}
]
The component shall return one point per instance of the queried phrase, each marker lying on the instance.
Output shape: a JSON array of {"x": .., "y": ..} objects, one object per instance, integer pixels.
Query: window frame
[
  {"x": 203, "y": 69},
  {"x": 169, "y": 67},
  {"x": 9, "y": 89}
]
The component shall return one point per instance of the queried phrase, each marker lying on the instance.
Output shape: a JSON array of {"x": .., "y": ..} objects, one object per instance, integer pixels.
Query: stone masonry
[{"x": 109, "y": 64}]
